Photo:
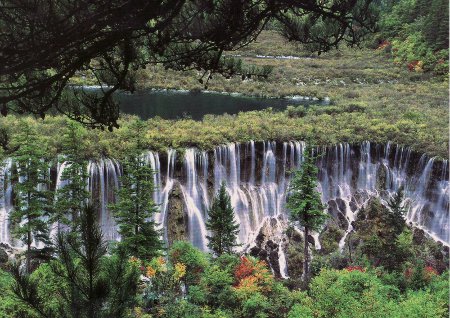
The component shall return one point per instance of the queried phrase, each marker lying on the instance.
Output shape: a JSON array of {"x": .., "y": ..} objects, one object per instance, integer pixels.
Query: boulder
[{"x": 3, "y": 256}]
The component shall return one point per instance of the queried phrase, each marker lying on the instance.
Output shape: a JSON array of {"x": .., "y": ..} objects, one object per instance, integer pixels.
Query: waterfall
[
  {"x": 6, "y": 203},
  {"x": 194, "y": 200},
  {"x": 59, "y": 184},
  {"x": 161, "y": 192},
  {"x": 257, "y": 174},
  {"x": 104, "y": 178}
]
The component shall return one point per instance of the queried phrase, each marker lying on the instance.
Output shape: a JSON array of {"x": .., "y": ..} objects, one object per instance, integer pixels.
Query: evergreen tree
[
  {"x": 91, "y": 284},
  {"x": 71, "y": 199},
  {"x": 378, "y": 228},
  {"x": 135, "y": 207},
  {"x": 304, "y": 202},
  {"x": 221, "y": 224},
  {"x": 33, "y": 200},
  {"x": 396, "y": 212},
  {"x": 436, "y": 24}
]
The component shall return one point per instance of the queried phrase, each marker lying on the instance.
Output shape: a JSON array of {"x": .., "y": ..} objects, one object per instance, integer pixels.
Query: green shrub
[{"x": 196, "y": 261}]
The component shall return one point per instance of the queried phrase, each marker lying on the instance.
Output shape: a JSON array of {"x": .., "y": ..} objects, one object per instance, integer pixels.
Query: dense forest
[{"x": 335, "y": 205}]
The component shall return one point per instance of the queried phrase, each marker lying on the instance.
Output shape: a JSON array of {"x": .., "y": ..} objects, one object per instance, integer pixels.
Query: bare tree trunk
[
  {"x": 306, "y": 257},
  {"x": 28, "y": 258},
  {"x": 349, "y": 243}
]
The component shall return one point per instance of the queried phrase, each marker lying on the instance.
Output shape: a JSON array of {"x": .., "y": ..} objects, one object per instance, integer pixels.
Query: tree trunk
[
  {"x": 349, "y": 243},
  {"x": 306, "y": 257},
  {"x": 28, "y": 258}
]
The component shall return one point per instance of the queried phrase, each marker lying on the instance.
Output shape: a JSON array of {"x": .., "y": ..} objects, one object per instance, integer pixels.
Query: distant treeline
[{"x": 416, "y": 32}]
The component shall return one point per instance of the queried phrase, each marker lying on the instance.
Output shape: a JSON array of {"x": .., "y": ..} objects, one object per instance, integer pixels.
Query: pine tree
[
  {"x": 396, "y": 212},
  {"x": 221, "y": 224},
  {"x": 135, "y": 207},
  {"x": 33, "y": 204},
  {"x": 436, "y": 24},
  {"x": 304, "y": 202},
  {"x": 92, "y": 284},
  {"x": 71, "y": 199},
  {"x": 378, "y": 228}
]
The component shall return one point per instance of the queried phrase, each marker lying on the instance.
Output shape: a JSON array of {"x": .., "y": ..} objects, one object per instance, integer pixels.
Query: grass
[
  {"x": 414, "y": 103},
  {"x": 371, "y": 99}
]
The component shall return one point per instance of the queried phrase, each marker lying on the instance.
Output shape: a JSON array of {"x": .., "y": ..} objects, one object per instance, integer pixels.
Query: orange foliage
[
  {"x": 252, "y": 275},
  {"x": 383, "y": 44},
  {"x": 429, "y": 272},
  {"x": 244, "y": 269},
  {"x": 415, "y": 66},
  {"x": 355, "y": 268},
  {"x": 151, "y": 272}
]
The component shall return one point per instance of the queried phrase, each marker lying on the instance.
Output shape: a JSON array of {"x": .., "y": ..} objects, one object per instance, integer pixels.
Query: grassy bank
[
  {"x": 328, "y": 125},
  {"x": 371, "y": 99},
  {"x": 393, "y": 103}
]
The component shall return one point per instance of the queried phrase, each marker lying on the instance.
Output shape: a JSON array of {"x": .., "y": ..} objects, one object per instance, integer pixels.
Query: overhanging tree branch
[{"x": 45, "y": 43}]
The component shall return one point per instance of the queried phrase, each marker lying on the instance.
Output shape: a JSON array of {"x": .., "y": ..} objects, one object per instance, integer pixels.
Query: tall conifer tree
[
  {"x": 135, "y": 207},
  {"x": 71, "y": 199},
  {"x": 33, "y": 204},
  {"x": 92, "y": 284},
  {"x": 304, "y": 202},
  {"x": 221, "y": 224},
  {"x": 397, "y": 211}
]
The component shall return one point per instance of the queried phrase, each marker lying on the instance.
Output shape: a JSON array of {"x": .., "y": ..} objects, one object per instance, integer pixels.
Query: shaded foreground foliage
[
  {"x": 190, "y": 283},
  {"x": 83, "y": 282},
  {"x": 111, "y": 40}
]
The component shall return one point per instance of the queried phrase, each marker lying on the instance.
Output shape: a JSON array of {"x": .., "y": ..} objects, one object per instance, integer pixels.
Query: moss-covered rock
[
  {"x": 330, "y": 237},
  {"x": 294, "y": 254},
  {"x": 176, "y": 218}
]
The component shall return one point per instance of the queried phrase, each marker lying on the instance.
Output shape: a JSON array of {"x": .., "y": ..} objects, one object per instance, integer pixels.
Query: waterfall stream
[{"x": 257, "y": 176}]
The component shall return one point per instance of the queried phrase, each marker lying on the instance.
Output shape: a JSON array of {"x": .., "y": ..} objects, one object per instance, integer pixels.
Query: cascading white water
[
  {"x": 161, "y": 193},
  {"x": 257, "y": 195},
  {"x": 195, "y": 200},
  {"x": 59, "y": 184},
  {"x": 427, "y": 196},
  {"x": 6, "y": 204},
  {"x": 257, "y": 178},
  {"x": 104, "y": 178}
]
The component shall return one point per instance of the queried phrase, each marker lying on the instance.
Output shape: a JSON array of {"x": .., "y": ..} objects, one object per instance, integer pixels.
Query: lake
[{"x": 172, "y": 104}]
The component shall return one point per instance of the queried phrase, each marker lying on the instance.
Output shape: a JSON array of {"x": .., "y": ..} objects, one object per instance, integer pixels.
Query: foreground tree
[
  {"x": 304, "y": 202},
  {"x": 88, "y": 283},
  {"x": 135, "y": 207},
  {"x": 33, "y": 200},
  {"x": 45, "y": 44},
  {"x": 224, "y": 229}
]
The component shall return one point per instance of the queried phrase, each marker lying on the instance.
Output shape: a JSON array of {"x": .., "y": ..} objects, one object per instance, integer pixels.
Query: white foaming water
[
  {"x": 161, "y": 192},
  {"x": 104, "y": 176},
  {"x": 194, "y": 199},
  {"x": 6, "y": 204}
]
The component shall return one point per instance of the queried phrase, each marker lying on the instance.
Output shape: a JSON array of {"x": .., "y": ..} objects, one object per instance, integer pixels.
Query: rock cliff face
[
  {"x": 176, "y": 217},
  {"x": 257, "y": 179}
]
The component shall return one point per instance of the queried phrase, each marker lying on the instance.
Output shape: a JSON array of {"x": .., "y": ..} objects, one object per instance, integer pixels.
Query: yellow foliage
[
  {"x": 151, "y": 272},
  {"x": 180, "y": 270}
]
